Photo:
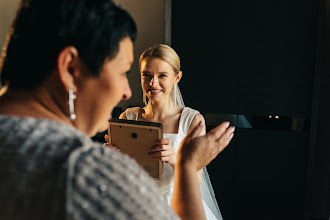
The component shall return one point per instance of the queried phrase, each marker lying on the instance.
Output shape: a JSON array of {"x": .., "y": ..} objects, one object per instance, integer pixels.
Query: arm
[
  {"x": 194, "y": 153},
  {"x": 186, "y": 201},
  {"x": 198, "y": 118}
]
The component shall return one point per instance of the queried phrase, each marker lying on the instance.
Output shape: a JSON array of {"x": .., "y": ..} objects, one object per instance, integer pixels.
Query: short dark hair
[{"x": 42, "y": 28}]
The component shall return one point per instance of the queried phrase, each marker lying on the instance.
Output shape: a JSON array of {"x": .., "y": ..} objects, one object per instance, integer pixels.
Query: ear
[
  {"x": 68, "y": 66},
  {"x": 178, "y": 77}
]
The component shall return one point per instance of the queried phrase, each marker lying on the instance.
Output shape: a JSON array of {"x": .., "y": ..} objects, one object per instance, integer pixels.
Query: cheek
[
  {"x": 110, "y": 85},
  {"x": 166, "y": 83},
  {"x": 107, "y": 96},
  {"x": 144, "y": 83}
]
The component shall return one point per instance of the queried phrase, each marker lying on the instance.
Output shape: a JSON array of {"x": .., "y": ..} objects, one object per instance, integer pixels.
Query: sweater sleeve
[{"x": 105, "y": 184}]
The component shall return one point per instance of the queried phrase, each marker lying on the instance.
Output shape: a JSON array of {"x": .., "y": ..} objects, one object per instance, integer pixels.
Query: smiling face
[
  {"x": 157, "y": 79},
  {"x": 97, "y": 96}
]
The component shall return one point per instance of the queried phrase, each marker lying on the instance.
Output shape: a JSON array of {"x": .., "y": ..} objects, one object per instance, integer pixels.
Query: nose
[
  {"x": 153, "y": 81},
  {"x": 127, "y": 92}
]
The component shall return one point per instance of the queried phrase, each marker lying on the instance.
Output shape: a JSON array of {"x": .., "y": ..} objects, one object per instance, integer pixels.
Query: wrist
[
  {"x": 184, "y": 164},
  {"x": 172, "y": 161}
]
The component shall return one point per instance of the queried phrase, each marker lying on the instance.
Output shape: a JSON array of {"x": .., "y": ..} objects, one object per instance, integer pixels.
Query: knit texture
[{"x": 49, "y": 170}]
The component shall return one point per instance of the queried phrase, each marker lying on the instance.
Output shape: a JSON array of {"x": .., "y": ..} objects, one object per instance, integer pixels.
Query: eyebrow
[{"x": 145, "y": 71}]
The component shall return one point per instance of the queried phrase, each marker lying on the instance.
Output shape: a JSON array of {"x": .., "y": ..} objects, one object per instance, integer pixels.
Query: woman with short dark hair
[{"x": 64, "y": 65}]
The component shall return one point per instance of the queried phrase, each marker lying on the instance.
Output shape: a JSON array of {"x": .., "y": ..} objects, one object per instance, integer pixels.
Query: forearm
[
  {"x": 186, "y": 200},
  {"x": 199, "y": 173},
  {"x": 199, "y": 176}
]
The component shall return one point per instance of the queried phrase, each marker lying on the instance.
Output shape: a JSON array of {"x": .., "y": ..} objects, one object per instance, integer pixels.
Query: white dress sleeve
[
  {"x": 210, "y": 203},
  {"x": 132, "y": 113}
]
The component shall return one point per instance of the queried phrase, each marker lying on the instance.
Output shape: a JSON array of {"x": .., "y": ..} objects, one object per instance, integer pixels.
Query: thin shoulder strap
[
  {"x": 132, "y": 113},
  {"x": 187, "y": 116}
]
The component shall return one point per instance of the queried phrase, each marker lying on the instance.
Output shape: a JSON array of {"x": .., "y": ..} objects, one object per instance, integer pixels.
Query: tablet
[{"x": 135, "y": 138}]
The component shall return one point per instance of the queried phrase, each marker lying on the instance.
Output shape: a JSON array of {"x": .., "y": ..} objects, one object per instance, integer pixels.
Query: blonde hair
[
  {"x": 169, "y": 55},
  {"x": 163, "y": 52}
]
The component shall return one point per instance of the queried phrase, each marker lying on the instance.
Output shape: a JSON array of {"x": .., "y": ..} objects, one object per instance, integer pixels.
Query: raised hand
[
  {"x": 198, "y": 151},
  {"x": 163, "y": 151}
]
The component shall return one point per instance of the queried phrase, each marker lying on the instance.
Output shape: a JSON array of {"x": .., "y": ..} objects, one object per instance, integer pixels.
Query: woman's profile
[{"x": 65, "y": 66}]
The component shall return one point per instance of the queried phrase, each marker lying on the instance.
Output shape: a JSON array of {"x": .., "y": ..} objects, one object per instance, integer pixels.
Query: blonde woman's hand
[
  {"x": 198, "y": 151},
  {"x": 163, "y": 151},
  {"x": 106, "y": 138}
]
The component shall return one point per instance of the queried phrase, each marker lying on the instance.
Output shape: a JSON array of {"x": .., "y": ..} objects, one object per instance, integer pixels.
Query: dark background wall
[
  {"x": 251, "y": 57},
  {"x": 259, "y": 58}
]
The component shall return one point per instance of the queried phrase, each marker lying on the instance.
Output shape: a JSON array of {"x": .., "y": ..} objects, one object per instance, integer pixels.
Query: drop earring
[{"x": 72, "y": 97}]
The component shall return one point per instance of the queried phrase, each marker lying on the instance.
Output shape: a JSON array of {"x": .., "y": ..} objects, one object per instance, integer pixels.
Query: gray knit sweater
[{"x": 49, "y": 170}]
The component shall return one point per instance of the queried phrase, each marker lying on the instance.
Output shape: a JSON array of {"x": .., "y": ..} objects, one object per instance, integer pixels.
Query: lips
[{"x": 154, "y": 91}]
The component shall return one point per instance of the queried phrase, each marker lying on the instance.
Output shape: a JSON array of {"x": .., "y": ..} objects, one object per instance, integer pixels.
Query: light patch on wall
[
  {"x": 7, "y": 13},
  {"x": 149, "y": 16}
]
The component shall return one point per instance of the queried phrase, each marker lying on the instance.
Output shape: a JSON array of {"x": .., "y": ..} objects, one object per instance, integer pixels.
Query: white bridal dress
[{"x": 166, "y": 184}]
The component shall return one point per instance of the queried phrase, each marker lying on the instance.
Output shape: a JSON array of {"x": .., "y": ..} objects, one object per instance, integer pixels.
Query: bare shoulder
[
  {"x": 198, "y": 118},
  {"x": 123, "y": 115}
]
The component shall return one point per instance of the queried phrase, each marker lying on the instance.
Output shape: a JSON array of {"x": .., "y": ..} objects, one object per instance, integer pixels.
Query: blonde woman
[{"x": 160, "y": 75}]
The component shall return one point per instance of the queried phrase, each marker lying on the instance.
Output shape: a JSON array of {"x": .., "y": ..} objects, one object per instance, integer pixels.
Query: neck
[
  {"x": 37, "y": 103},
  {"x": 159, "y": 110}
]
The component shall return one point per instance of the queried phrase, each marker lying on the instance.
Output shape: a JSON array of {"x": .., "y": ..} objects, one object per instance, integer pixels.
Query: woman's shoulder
[
  {"x": 196, "y": 120},
  {"x": 92, "y": 175},
  {"x": 189, "y": 118},
  {"x": 40, "y": 131},
  {"x": 36, "y": 151},
  {"x": 111, "y": 179},
  {"x": 188, "y": 114},
  {"x": 190, "y": 111},
  {"x": 130, "y": 113}
]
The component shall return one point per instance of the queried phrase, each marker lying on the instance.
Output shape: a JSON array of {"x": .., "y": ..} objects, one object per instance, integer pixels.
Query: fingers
[
  {"x": 161, "y": 148},
  {"x": 162, "y": 144},
  {"x": 218, "y": 131},
  {"x": 225, "y": 138},
  {"x": 163, "y": 159},
  {"x": 161, "y": 154},
  {"x": 111, "y": 146},
  {"x": 203, "y": 149},
  {"x": 163, "y": 151},
  {"x": 164, "y": 141},
  {"x": 224, "y": 142},
  {"x": 229, "y": 133},
  {"x": 106, "y": 138}
]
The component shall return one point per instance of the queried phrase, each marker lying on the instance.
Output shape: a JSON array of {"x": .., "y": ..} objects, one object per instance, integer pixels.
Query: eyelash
[{"x": 147, "y": 75}]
